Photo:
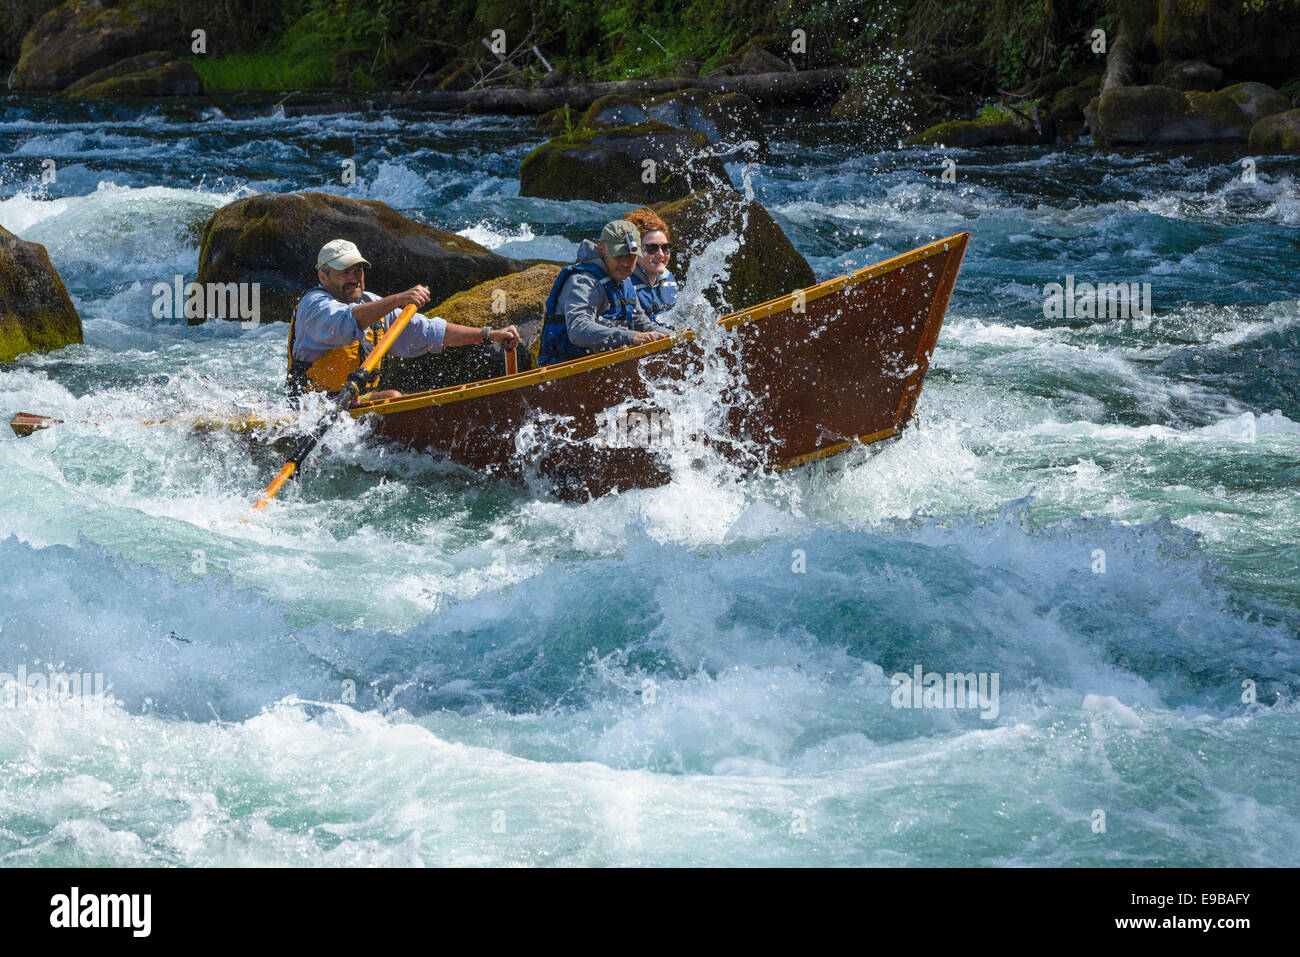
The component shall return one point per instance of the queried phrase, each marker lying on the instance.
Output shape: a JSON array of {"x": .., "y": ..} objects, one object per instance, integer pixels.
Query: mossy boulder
[
  {"x": 557, "y": 121},
  {"x": 36, "y": 313},
  {"x": 1158, "y": 115},
  {"x": 134, "y": 64},
  {"x": 1222, "y": 111},
  {"x": 730, "y": 118},
  {"x": 1067, "y": 105},
  {"x": 176, "y": 78},
  {"x": 645, "y": 163},
  {"x": 883, "y": 108},
  {"x": 81, "y": 36},
  {"x": 1257, "y": 100},
  {"x": 754, "y": 57},
  {"x": 1279, "y": 133},
  {"x": 273, "y": 239},
  {"x": 1187, "y": 75},
  {"x": 969, "y": 134},
  {"x": 518, "y": 299},
  {"x": 766, "y": 265}
]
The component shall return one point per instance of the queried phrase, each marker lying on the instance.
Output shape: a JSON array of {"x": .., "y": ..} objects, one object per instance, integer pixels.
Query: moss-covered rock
[
  {"x": 1158, "y": 115},
  {"x": 968, "y": 134},
  {"x": 36, "y": 313},
  {"x": 1279, "y": 133},
  {"x": 765, "y": 267},
  {"x": 1187, "y": 75},
  {"x": 177, "y": 78},
  {"x": 723, "y": 117},
  {"x": 1257, "y": 100},
  {"x": 273, "y": 239},
  {"x": 882, "y": 108},
  {"x": 80, "y": 37},
  {"x": 1220, "y": 110},
  {"x": 754, "y": 57},
  {"x": 557, "y": 121},
  {"x": 1067, "y": 105},
  {"x": 518, "y": 299},
  {"x": 646, "y": 163},
  {"x": 134, "y": 64}
]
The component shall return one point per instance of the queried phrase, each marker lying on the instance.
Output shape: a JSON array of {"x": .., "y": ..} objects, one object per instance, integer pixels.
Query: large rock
[
  {"x": 646, "y": 163},
  {"x": 1067, "y": 105},
  {"x": 1279, "y": 133},
  {"x": 754, "y": 58},
  {"x": 134, "y": 64},
  {"x": 883, "y": 108},
  {"x": 968, "y": 134},
  {"x": 36, "y": 313},
  {"x": 83, "y": 36},
  {"x": 174, "y": 78},
  {"x": 730, "y": 118},
  {"x": 1188, "y": 75},
  {"x": 518, "y": 299},
  {"x": 765, "y": 267},
  {"x": 273, "y": 239},
  {"x": 1222, "y": 112},
  {"x": 1158, "y": 115},
  {"x": 1257, "y": 100}
]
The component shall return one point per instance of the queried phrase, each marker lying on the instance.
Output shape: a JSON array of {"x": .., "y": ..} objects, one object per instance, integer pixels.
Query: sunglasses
[{"x": 652, "y": 248}]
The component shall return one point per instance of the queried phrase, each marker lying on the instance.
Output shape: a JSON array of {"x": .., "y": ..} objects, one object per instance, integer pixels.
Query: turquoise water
[{"x": 401, "y": 662}]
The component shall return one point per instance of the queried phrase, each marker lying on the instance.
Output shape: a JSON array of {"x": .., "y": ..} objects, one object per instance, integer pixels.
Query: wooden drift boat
[{"x": 822, "y": 369}]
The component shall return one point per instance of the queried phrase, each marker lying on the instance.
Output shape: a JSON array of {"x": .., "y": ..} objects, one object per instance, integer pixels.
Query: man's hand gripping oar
[{"x": 352, "y": 390}]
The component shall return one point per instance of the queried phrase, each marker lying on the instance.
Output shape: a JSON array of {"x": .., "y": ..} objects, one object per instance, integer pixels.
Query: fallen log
[
  {"x": 1119, "y": 63},
  {"x": 766, "y": 89}
]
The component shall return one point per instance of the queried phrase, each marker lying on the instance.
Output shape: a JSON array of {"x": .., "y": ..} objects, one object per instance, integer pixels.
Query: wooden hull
[{"x": 841, "y": 363}]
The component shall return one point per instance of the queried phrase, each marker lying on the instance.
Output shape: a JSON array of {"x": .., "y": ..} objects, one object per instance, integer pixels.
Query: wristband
[{"x": 487, "y": 336}]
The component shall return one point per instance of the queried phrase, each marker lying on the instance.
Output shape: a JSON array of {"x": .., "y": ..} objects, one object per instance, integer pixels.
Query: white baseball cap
[{"x": 340, "y": 254}]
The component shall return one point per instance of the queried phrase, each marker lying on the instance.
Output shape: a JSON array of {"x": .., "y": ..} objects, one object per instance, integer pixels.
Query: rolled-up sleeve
[
  {"x": 422, "y": 334},
  {"x": 324, "y": 323}
]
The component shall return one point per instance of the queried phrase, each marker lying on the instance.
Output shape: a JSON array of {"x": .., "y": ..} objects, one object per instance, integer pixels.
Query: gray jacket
[{"x": 583, "y": 300}]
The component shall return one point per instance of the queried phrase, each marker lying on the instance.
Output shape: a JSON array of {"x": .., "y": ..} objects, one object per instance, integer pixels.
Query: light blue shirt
[{"x": 324, "y": 323}]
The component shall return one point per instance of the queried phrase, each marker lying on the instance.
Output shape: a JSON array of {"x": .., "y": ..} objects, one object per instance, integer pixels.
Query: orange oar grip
[
  {"x": 274, "y": 487},
  {"x": 512, "y": 362}
]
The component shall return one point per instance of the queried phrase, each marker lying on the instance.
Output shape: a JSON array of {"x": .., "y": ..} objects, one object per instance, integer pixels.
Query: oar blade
[{"x": 25, "y": 423}]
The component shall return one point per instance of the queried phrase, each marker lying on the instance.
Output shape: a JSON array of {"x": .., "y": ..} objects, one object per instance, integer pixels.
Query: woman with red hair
[{"x": 656, "y": 287}]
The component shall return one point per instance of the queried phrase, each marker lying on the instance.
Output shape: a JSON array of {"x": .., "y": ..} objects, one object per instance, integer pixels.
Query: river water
[{"x": 401, "y": 662}]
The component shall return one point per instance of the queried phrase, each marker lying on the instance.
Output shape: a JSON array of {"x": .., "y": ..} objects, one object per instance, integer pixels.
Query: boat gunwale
[{"x": 563, "y": 370}]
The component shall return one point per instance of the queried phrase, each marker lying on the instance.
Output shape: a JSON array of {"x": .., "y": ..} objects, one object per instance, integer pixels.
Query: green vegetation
[{"x": 979, "y": 46}]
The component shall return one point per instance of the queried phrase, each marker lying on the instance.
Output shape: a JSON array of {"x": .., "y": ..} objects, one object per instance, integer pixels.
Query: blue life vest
[
  {"x": 621, "y": 311},
  {"x": 657, "y": 298}
]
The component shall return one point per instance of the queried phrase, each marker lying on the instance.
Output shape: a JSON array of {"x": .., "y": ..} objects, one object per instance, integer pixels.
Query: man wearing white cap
[{"x": 335, "y": 325}]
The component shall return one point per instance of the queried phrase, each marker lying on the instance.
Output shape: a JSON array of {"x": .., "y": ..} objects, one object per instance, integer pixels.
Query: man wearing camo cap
[{"x": 592, "y": 305}]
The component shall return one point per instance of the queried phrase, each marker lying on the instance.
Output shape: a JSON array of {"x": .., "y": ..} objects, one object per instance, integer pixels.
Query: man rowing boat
[
  {"x": 592, "y": 306},
  {"x": 335, "y": 325}
]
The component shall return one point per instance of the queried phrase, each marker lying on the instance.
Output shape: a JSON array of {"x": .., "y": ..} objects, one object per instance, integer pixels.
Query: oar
[
  {"x": 25, "y": 423},
  {"x": 512, "y": 362},
  {"x": 351, "y": 390}
]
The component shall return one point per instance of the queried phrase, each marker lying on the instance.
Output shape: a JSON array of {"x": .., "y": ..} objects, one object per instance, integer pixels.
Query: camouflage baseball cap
[{"x": 621, "y": 237}]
